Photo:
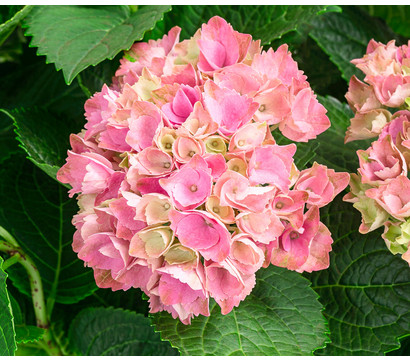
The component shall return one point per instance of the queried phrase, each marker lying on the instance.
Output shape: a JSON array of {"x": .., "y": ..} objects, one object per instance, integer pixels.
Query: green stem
[
  {"x": 8, "y": 237},
  {"x": 18, "y": 255},
  {"x": 84, "y": 88},
  {"x": 133, "y": 8},
  {"x": 11, "y": 261}
]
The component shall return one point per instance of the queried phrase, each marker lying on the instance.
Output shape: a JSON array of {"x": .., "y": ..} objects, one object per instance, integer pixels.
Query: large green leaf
[
  {"x": 8, "y": 27},
  {"x": 265, "y": 22},
  {"x": 344, "y": 36},
  {"x": 45, "y": 145},
  {"x": 75, "y": 37},
  {"x": 36, "y": 211},
  {"x": 396, "y": 16},
  {"x": 332, "y": 151},
  {"x": 281, "y": 316},
  {"x": 109, "y": 331},
  {"x": 365, "y": 291},
  {"x": 7, "y": 336}
]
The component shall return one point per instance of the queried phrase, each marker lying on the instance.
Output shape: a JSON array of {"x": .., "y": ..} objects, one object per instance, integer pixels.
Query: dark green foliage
[
  {"x": 366, "y": 290},
  {"x": 280, "y": 317},
  {"x": 364, "y": 294},
  {"x": 75, "y": 37},
  {"x": 109, "y": 331},
  {"x": 7, "y": 336},
  {"x": 35, "y": 209}
]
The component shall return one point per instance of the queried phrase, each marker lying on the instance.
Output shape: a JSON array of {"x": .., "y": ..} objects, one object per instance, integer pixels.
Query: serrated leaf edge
[
  {"x": 68, "y": 79},
  {"x": 326, "y": 334}
]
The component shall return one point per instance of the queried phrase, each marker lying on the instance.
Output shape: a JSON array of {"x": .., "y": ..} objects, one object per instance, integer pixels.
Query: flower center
[
  {"x": 193, "y": 188},
  {"x": 215, "y": 209},
  {"x": 262, "y": 108},
  {"x": 235, "y": 168},
  {"x": 167, "y": 165},
  {"x": 279, "y": 205},
  {"x": 168, "y": 145},
  {"x": 166, "y": 206},
  {"x": 191, "y": 153},
  {"x": 241, "y": 142},
  {"x": 294, "y": 235},
  {"x": 214, "y": 143}
]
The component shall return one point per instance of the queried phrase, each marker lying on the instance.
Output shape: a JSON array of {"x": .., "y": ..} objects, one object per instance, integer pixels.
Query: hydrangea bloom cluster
[
  {"x": 381, "y": 189},
  {"x": 183, "y": 191}
]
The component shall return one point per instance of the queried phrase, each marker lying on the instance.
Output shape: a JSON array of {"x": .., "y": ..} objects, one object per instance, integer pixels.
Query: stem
[
  {"x": 133, "y": 8},
  {"x": 35, "y": 281},
  {"x": 11, "y": 261},
  {"x": 8, "y": 237},
  {"x": 83, "y": 87},
  {"x": 16, "y": 253}
]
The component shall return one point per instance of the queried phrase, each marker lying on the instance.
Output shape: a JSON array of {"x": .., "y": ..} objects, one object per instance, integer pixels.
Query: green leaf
[
  {"x": 75, "y": 37},
  {"x": 28, "y": 333},
  {"x": 404, "y": 349},
  {"x": 113, "y": 332},
  {"x": 8, "y": 143},
  {"x": 396, "y": 16},
  {"x": 36, "y": 211},
  {"x": 30, "y": 350},
  {"x": 332, "y": 151},
  {"x": 323, "y": 76},
  {"x": 24, "y": 333},
  {"x": 344, "y": 36},
  {"x": 8, "y": 27},
  {"x": 45, "y": 145},
  {"x": 265, "y": 22},
  {"x": 281, "y": 316},
  {"x": 7, "y": 336},
  {"x": 93, "y": 78},
  {"x": 33, "y": 83},
  {"x": 366, "y": 290}
]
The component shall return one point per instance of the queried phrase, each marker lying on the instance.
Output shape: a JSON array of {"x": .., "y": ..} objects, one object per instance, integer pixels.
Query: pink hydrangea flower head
[{"x": 184, "y": 192}]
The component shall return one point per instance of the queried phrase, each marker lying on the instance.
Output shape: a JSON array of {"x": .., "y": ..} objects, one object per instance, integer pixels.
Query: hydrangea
[
  {"x": 183, "y": 190},
  {"x": 381, "y": 189}
]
